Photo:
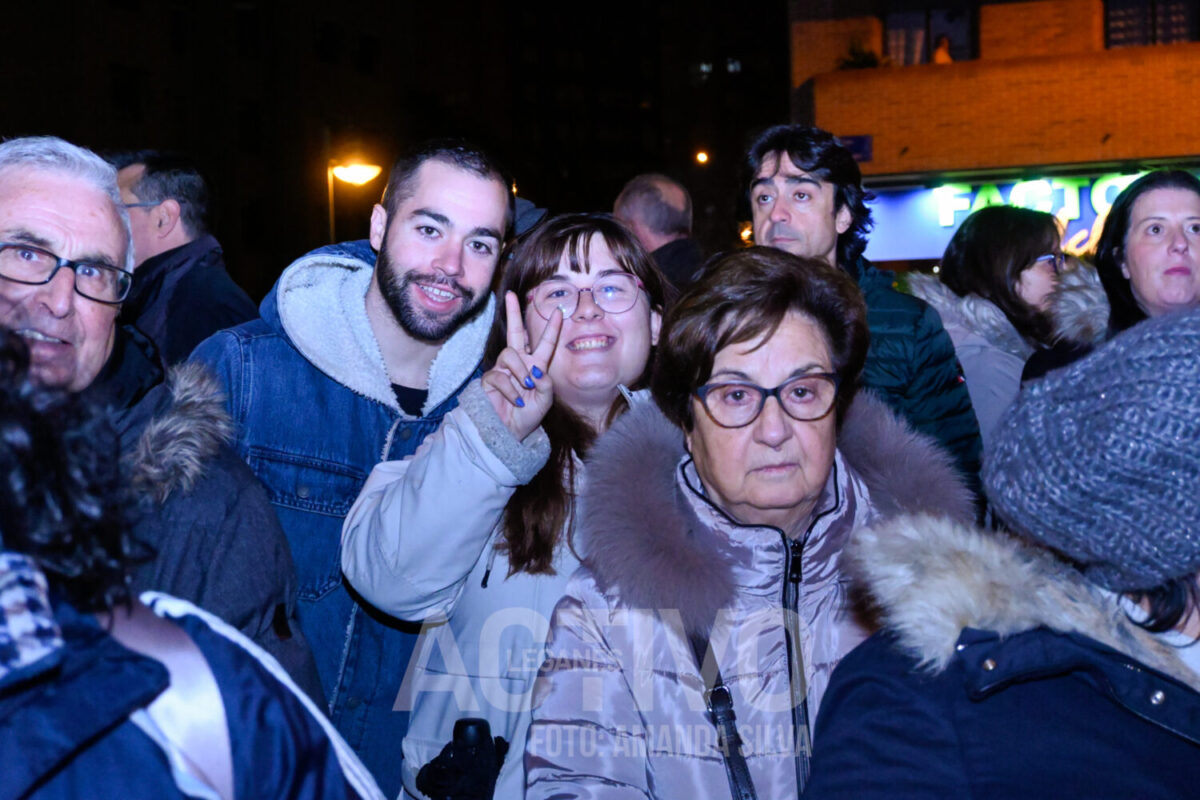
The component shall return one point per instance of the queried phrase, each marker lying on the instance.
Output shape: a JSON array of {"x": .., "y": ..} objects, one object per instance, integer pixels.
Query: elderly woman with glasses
[
  {"x": 993, "y": 296},
  {"x": 712, "y": 599},
  {"x": 473, "y": 534}
]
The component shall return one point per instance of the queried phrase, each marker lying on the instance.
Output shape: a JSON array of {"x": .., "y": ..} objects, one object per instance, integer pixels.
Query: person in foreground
[
  {"x": 106, "y": 695},
  {"x": 716, "y": 525},
  {"x": 473, "y": 534},
  {"x": 1063, "y": 661}
]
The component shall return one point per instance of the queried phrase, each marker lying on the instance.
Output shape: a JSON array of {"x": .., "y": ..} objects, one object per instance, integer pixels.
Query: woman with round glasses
[
  {"x": 1147, "y": 265},
  {"x": 712, "y": 527},
  {"x": 993, "y": 296},
  {"x": 473, "y": 534}
]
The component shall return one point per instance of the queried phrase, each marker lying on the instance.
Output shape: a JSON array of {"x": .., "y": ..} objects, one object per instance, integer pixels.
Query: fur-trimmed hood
[
  {"x": 319, "y": 302},
  {"x": 1080, "y": 306},
  {"x": 643, "y": 540},
  {"x": 973, "y": 314},
  {"x": 931, "y": 577},
  {"x": 168, "y": 437}
]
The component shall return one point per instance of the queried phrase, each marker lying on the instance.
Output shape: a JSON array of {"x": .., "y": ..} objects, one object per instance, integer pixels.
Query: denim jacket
[{"x": 315, "y": 412}]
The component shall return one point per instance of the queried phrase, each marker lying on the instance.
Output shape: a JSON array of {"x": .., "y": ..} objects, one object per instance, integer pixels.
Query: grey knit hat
[{"x": 1101, "y": 460}]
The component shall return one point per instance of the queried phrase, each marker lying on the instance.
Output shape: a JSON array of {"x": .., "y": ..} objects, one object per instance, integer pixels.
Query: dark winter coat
[
  {"x": 216, "y": 538},
  {"x": 680, "y": 260},
  {"x": 1002, "y": 673},
  {"x": 183, "y": 296},
  {"x": 76, "y": 724},
  {"x": 911, "y": 365}
]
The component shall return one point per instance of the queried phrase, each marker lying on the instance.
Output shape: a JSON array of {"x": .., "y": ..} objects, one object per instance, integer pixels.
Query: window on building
[
  {"x": 1136, "y": 23},
  {"x": 912, "y": 36}
]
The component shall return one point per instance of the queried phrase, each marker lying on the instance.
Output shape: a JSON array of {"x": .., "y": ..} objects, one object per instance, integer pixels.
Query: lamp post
[{"x": 353, "y": 172}]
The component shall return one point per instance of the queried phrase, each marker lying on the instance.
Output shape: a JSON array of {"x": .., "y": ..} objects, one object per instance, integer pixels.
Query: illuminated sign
[{"x": 918, "y": 224}]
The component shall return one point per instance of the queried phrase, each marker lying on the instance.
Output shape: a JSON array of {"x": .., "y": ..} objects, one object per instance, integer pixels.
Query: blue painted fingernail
[
  {"x": 529, "y": 381},
  {"x": 537, "y": 373},
  {"x": 520, "y": 402}
]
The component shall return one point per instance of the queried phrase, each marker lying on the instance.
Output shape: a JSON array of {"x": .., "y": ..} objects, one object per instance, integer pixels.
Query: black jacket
[
  {"x": 183, "y": 296},
  {"x": 209, "y": 521}
]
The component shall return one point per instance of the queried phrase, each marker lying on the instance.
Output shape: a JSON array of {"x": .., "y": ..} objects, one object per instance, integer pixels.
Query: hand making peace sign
[{"x": 519, "y": 385}]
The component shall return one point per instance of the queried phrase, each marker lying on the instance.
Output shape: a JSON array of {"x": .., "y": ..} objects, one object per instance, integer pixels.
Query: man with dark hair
[
  {"x": 102, "y": 693},
  {"x": 64, "y": 272},
  {"x": 807, "y": 197},
  {"x": 659, "y": 212},
  {"x": 362, "y": 348},
  {"x": 181, "y": 291}
]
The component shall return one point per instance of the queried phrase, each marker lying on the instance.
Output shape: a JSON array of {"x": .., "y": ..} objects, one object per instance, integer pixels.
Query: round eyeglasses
[
  {"x": 23, "y": 263},
  {"x": 737, "y": 404},
  {"x": 613, "y": 293}
]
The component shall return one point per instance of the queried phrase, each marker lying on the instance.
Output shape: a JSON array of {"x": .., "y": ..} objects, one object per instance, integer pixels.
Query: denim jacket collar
[{"x": 321, "y": 308}]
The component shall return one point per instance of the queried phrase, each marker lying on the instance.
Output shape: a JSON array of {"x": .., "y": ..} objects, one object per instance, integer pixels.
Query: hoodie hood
[
  {"x": 320, "y": 304},
  {"x": 1080, "y": 306},
  {"x": 973, "y": 314},
  {"x": 652, "y": 550},
  {"x": 932, "y": 577}
]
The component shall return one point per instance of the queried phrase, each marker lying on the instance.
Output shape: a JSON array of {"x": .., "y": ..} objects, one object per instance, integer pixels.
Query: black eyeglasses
[
  {"x": 23, "y": 263},
  {"x": 736, "y": 404},
  {"x": 1058, "y": 261},
  {"x": 142, "y": 205}
]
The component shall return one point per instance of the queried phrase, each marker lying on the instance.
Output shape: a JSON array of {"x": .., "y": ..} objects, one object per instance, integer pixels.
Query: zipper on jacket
[{"x": 794, "y": 550}]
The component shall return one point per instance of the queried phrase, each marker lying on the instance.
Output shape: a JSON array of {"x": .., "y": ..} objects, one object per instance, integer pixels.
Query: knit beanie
[{"x": 1100, "y": 461}]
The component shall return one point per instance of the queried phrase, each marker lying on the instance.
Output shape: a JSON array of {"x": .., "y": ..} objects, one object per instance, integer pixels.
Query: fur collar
[
  {"x": 320, "y": 300},
  {"x": 931, "y": 577},
  {"x": 972, "y": 313},
  {"x": 187, "y": 424},
  {"x": 1080, "y": 306},
  {"x": 645, "y": 545}
]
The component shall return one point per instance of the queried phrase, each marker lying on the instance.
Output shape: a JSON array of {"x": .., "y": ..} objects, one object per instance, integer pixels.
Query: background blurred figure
[
  {"x": 100, "y": 695},
  {"x": 807, "y": 198},
  {"x": 64, "y": 259},
  {"x": 659, "y": 212},
  {"x": 362, "y": 349},
  {"x": 1065, "y": 665},
  {"x": 732, "y": 547},
  {"x": 993, "y": 295},
  {"x": 1147, "y": 262},
  {"x": 480, "y": 521},
  {"x": 181, "y": 291}
]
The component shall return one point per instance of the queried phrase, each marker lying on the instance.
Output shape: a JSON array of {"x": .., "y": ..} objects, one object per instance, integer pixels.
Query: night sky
[{"x": 575, "y": 98}]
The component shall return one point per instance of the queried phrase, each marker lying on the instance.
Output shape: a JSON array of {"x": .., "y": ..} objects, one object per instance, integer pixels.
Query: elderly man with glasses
[{"x": 204, "y": 521}]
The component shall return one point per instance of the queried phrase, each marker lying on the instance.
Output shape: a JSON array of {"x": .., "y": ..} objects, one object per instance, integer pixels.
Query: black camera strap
[{"x": 719, "y": 701}]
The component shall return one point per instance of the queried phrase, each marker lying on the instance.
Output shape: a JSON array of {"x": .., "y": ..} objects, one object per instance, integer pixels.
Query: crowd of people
[{"x": 502, "y": 503}]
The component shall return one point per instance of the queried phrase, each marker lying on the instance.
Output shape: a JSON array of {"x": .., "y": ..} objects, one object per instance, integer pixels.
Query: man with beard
[{"x": 355, "y": 360}]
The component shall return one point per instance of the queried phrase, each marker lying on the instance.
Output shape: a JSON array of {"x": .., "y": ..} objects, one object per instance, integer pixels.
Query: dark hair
[
  {"x": 61, "y": 500},
  {"x": 170, "y": 176},
  {"x": 987, "y": 255},
  {"x": 456, "y": 152},
  {"x": 1124, "y": 311},
  {"x": 1169, "y": 603},
  {"x": 642, "y": 198},
  {"x": 817, "y": 152},
  {"x": 746, "y": 294},
  {"x": 536, "y": 513}
]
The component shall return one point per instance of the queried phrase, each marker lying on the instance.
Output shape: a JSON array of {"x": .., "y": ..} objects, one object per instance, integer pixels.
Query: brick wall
[
  {"x": 818, "y": 45},
  {"x": 1052, "y": 27},
  {"x": 1111, "y": 105}
]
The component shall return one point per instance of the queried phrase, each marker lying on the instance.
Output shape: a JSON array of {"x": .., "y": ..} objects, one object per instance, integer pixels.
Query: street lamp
[{"x": 353, "y": 172}]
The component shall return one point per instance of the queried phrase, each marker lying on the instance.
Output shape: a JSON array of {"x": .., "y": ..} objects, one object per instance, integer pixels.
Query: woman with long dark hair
[
  {"x": 1147, "y": 264},
  {"x": 473, "y": 534},
  {"x": 993, "y": 297}
]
